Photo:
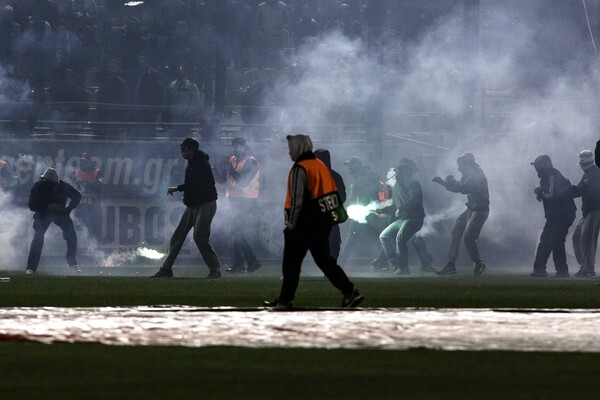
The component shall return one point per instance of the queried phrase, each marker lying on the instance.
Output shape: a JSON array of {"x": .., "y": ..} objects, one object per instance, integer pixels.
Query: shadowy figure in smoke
[
  {"x": 335, "y": 237},
  {"x": 468, "y": 225},
  {"x": 87, "y": 179},
  {"x": 585, "y": 235},
  {"x": 364, "y": 190},
  {"x": 408, "y": 211},
  {"x": 559, "y": 209},
  {"x": 48, "y": 199},
  {"x": 241, "y": 177}
]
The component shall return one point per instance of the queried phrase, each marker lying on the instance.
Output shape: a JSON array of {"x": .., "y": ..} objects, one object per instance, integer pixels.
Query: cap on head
[
  {"x": 191, "y": 143},
  {"x": 542, "y": 162},
  {"x": 354, "y": 161},
  {"x": 466, "y": 158},
  {"x": 238, "y": 141},
  {"x": 50, "y": 174},
  {"x": 407, "y": 165}
]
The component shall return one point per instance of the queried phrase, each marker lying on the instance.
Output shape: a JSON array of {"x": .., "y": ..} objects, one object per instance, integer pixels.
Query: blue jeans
[{"x": 394, "y": 240}]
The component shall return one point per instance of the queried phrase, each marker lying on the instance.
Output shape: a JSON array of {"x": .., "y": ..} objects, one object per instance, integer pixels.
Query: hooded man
[
  {"x": 312, "y": 206},
  {"x": 408, "y": 214},
  {"x": 48, "y": 199},
  {"x": 200, "y": 199},
  {"x": 335, "y": 238},
  {"x": 554, "y": 192},
  {"x": 585, "y": 235},
  {"x": 241, "y": 177},
  {"x": 468, "y": 225}
]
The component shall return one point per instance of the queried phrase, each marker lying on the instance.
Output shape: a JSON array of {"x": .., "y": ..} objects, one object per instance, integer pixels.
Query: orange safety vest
[
  {"x": 86, "y": 176},
  {"x": 324, "y": 196},
  {"x": 251, "y": 190}
]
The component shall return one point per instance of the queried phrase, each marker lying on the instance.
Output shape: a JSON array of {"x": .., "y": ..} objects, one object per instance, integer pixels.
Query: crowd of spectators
[{"x": 155, "y": 61}]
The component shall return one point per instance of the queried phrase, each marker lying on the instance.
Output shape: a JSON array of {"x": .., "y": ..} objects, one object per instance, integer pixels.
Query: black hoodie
[
  {"x": 199, "y": 184},
  {"x": 324, "y": 156}
]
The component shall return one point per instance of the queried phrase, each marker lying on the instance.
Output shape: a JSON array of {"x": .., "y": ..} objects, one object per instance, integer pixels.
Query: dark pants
[
  {"x": 199, "y": 218},
  {"x": 335, "y": 242},
  {"x": 244, "y": 209},
  {"x": 296, "y": 244},
  {"x": 40, "y": 226},
  {"x": 552, "y": 241}
]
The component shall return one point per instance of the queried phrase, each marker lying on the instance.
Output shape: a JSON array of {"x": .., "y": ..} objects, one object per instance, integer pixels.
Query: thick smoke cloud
[{"x": 536, "y": 86}]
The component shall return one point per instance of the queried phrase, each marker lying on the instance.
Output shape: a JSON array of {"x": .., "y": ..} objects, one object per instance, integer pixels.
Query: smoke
[{"x": 535, "y": 83}]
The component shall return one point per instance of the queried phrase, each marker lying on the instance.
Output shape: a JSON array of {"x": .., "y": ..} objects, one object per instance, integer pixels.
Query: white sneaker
[
  {"x": 75, "y": 269},
  {"x": 29, "y": 272}
]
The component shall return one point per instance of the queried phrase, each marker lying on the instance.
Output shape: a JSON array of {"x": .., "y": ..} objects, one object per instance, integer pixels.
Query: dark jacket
[
  {"x": 325, "y": 156},
  {"x": 44, "y": 193},
  {"x": 555, "y": 193},
  {"x": 199, "y": 183},
  {"x": 474, "y": 184},
  {"x": 409, "y": 200},
  {"x": 589, "y": 190}
]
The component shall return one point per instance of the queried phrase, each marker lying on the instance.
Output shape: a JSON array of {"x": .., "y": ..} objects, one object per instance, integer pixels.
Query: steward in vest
[
  {"x": 312, "y": 206},
  {"x": 241, "y": 178}
]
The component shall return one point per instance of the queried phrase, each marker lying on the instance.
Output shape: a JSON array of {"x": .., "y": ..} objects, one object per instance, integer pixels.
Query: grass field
[{"x": 66, "y": 371}]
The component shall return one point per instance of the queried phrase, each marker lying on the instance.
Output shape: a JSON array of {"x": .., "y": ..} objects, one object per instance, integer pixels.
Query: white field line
[{"x": 394, "y": 329}]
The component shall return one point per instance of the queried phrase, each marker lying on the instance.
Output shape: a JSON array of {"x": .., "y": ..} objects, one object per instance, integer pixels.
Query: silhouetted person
[
  {"x": 335, "y": 237},
  {"x": 585, "y": 235},
  {"x": 48, "y": 200},
  {"x": 112, "y": 100},
  {"x": 554, "y": 192},
  {"x": 468, "y": 225}
]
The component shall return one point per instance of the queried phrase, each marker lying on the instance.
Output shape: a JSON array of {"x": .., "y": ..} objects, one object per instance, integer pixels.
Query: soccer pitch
[{"x": 64, "y": 371}]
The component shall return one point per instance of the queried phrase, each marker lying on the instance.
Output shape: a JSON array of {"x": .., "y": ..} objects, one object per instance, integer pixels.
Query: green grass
[{"x": 66, "y": 371}]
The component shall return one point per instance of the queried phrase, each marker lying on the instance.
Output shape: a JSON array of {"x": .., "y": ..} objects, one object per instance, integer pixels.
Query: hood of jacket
[
  {"x": 324, "y": 156},
  {"x": 298, "y": 145}
]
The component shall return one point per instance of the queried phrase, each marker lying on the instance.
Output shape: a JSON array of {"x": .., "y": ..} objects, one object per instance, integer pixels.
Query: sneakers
[
  {"x": 277, "y": 305},
  {"x": 236, "y": 269},
  {"x": 449, "y": 269},
  {"x": 214, "y": 274},
  {"x": 163, "y": 273},
  {"x": 479, "y": 268},
  {"x": 539, "y": 274},
  {"x": 352, "y": 300},
  {"x": 584, "y": 273},
  {"x": 29, "y": 272},
  {"x": 561, "y": 274},
  {"x": 254, "y": 266},
  {"x": 75, "y": 269}
]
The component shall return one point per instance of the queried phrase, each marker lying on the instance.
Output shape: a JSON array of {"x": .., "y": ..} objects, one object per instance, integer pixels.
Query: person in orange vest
[
  {"x": 241, "y": 177},
  {"x": 312, "y": 207},
  {"x": 88, "y": 182}
]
